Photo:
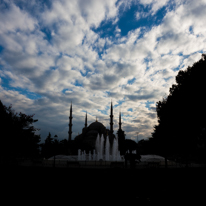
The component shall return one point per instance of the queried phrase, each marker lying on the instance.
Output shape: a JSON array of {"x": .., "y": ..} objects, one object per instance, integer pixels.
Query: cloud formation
[{"x": 55, "y": 52}]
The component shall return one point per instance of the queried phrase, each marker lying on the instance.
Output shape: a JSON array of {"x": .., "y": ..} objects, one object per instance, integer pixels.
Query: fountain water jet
[
  {"x": 101, "y": 147},
  {"x": 102, "y": 150},
  {"x": 107, "y": 148},
  {"x": 105, "y": 153}
]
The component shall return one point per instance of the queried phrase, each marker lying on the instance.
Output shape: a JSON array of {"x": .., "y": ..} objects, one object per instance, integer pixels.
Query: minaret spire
[
  {"x": 70, "y": 123},
  {"x": 111, "y": 119},
  {"x": 121, "y": 137},
  {"x": 86, "y": 120},
  {"x": 120, "y": 123}
]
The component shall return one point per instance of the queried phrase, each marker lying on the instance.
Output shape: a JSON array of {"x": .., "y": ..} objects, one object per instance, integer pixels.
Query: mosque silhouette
[{"x": 86, "y": 140}]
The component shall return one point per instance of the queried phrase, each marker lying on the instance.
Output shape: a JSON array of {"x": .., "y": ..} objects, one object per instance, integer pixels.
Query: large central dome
[
  {"x": 89, "y": 134},
  {"x": 98, "y": 126}
]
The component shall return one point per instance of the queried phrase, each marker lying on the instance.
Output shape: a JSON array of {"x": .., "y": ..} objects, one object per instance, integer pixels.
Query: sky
[{"x": 92, "y": 52}]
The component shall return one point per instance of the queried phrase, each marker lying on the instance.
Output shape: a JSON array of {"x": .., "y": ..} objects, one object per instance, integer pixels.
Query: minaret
[
  {"x": 86, "y": 120},
  {"x": 111, "y": 119},
  {"x": 120, "y": 123},
  {"x": 70, "y": 123},
  {"x": 121, "y": 137}
]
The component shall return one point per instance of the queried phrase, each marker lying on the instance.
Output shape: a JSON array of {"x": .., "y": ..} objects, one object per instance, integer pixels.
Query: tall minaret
[
  {"x": 70, "y": 123},
  {"x": 120, "y": 123},
  {"x": 86, "y": 120},
  {"x": 111, "y": 119},
  {"x": 121, "y": 137}
]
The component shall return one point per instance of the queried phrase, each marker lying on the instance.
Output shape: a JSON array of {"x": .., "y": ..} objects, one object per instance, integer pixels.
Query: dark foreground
[{"x": 34, "y": 185}]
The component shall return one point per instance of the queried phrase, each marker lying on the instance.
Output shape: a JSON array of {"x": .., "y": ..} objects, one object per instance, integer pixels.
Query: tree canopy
[
  {"x": 52, "y": 146},
  {"x": 18, "y": 138},
  {"x": 181, "y": 115}
]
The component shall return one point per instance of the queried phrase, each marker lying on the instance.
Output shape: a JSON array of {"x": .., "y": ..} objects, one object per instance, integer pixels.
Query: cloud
[
  {"x": 53, "y": 52},
  {"x": 190, "y": 60},
  {"x": 13, "y": 18},
  {"x": 181, "y": 30},
  {"x": 140, "y": 97},
  {"x": 89, "y": 12},
  {"x": 154, "y": 4}
]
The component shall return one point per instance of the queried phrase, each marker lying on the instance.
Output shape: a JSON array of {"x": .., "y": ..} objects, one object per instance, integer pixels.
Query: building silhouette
[{"x": 86, "y": 140}]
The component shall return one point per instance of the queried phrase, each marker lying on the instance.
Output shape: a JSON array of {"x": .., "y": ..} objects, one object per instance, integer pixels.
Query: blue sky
[{"x": 90, "y": 52}]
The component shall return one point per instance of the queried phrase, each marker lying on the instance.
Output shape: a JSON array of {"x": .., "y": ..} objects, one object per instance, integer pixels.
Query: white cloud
[
  {"x": 190, "y": 60},
  {"x": 180, "y": 31},
  {"x": 155, "y": 4},
  {"x": 13, "y": 18},
  {"x": 50, "y": 52},
  {"x": 81, "y": 13},
  {"x": 94, "y": 12}
]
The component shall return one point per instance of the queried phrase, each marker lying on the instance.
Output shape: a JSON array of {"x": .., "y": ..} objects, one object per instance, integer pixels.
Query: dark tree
[
  {"x": 49, "y": 140},
  {"x": 48, "y": 147},
  {"x": 52, "y": 147},
  {"x": 181, "y": 115},
  {"x": 64, "y": 146},
  {"x": 18, "y": 138},
  {"x": 146, "y": 146},
  {"x": 130, "y": 145}
]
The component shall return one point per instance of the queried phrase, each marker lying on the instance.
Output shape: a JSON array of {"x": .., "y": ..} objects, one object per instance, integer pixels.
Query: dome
[
  {"x": 96, "y": 126},
  {"x": 92, "y": 132}
]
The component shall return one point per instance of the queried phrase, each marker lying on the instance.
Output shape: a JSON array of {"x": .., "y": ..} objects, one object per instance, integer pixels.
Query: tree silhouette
[
  {"x": 49, "y": 139},
  {"x": 18, "y": 138},
  {"x": 48, "y": 147},
  {"x": 181, "y": 115},
  {"x": 52, "y": 146}
]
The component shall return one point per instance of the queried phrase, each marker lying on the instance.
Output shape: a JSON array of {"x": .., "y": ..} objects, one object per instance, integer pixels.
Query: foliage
[
  {"x": 146, "y": 146},
  {"x": 52, "y": 146},
  {"x": 130, "y": 145},
  {"x": 181, "y": 115},
  {"x": 48, "y": 147},
  {"x": 18, "y": 138}
]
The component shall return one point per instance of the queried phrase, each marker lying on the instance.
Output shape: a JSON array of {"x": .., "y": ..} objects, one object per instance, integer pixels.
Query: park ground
[{"x": 66, "y": 185}]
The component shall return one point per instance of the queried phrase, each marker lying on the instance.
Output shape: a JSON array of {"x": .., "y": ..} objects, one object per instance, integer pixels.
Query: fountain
[
  {"x": 107, "y": 148},
  {"x": 103, "y": 151}
]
